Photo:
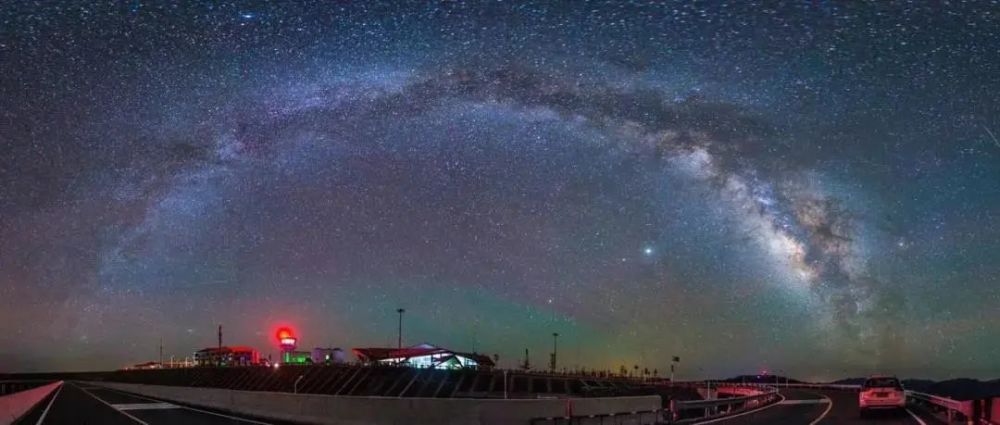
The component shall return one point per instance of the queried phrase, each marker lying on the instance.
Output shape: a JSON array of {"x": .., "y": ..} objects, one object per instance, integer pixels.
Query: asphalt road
[
  {"x": 825, "y": 407},
  {"x": 77, "y": 403}
]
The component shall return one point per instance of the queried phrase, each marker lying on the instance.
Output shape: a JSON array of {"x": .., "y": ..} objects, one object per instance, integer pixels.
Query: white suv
[{"x": 881, "y": 392}]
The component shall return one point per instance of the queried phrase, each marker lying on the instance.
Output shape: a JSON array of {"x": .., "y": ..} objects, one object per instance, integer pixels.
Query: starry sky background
[{"x": 807, "y": 187}]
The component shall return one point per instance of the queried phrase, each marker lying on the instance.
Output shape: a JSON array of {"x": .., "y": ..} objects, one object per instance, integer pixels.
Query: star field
[{"x": 807, "y": 186}]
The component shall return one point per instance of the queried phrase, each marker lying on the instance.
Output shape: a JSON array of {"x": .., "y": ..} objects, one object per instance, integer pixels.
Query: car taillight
[{"x": 882, "y": 393}]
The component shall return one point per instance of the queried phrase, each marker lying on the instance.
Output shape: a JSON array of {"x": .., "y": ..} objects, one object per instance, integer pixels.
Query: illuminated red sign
[
  {"x": 285, "y": 333},
  {"x": 286, "y": 338}
]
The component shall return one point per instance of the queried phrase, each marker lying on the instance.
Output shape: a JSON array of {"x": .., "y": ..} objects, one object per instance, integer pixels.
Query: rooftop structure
[
  {"x": 424, "y": 356},
  {"x": 322, "y": 355},
  {"x": 227, "y": 356}
]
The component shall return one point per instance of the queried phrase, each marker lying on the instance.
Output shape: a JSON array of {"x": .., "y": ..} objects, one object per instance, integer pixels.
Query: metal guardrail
[
  {"x": 724, "y": 406},
  {"x": 14, "y": 386},
  {"x": 822, "y": 386},
  {"x": 373, "y": 380},
  {"x": 15, "y": 406},
  {"x": 779, "y": 385},
  {"x": 675, "y": 414},
  {"x": 956, "y": 410},
  {"x": 644, "y": 417},
  {"x": 963, "y": 408},
  {"x": 973, "y": 412}
]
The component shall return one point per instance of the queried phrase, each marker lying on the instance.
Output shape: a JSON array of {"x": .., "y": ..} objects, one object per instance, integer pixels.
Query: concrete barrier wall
[
  {"x": 14, "y": 406},
  {"x": 345, "y": 410}
]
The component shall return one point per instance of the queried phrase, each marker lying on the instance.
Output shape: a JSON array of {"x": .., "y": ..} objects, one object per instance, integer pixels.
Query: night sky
[{"x": 811, "y": 188}]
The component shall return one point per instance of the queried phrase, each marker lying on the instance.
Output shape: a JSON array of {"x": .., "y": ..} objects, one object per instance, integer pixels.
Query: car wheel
[{"x": 863, "y": 413}]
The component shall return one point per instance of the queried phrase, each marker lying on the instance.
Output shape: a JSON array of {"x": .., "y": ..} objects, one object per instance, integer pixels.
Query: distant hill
[
  {"x": 919, "y": 385},
  {"x": 762, "y": 379},
  {"x": 849, "y": 381},
  {"x": 958, "y": 389},
  {"x": 966, "y": 389}
]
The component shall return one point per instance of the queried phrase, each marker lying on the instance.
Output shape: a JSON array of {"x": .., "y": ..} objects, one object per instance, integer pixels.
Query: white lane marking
[
  {"x": 744, "y": 413},
  {"x": 144, "y": 406},
  {"x": 190, "y": 408},
  {"x": 915, "y": 417},
  {"x": 829, "y": 406},
  {"x": 812, "y": 401},
  {"x": 113, "y": 407},
  {"x": 46, "y": 411}
]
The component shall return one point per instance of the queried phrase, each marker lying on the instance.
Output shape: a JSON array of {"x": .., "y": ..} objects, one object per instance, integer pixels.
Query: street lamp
[
  {"x": 555, "y": 338},
  {"x": 505, "y": 384},
  {"x": 399, "y": 338}
]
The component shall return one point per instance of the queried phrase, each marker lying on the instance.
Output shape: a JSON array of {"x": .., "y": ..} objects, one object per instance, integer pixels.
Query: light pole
[
  {"x": 505, "y": 384},
  {"x": 399, "y": 338},
  {"x": 555, "y": 346}
]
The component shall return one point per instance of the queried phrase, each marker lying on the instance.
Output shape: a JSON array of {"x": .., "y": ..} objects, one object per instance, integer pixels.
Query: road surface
[
  {"x": 824, "y": 407},
  {"x": 77, "y": 403}
]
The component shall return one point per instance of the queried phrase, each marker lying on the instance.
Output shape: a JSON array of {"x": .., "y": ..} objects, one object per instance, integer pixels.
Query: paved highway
[
  {"x": 76, "y": 403},
  {"x": 822, "y": 407}
]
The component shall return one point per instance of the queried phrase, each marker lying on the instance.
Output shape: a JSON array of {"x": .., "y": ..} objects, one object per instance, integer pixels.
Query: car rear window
[{"x": 882, "y": 383}]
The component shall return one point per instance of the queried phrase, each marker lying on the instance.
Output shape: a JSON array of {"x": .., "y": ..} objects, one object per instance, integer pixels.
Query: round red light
[{"x": 284, "y": 333}]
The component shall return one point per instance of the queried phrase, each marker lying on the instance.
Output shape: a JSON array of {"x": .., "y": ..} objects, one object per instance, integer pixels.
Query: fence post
[{"x": 976, "y": 414}]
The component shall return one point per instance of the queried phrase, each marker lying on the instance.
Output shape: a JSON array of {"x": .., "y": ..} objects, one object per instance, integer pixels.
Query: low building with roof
[
  {"x": 424, "y": 356},
  {"x": 321, "y": 355},
  {"x": 227, "y": 356},
  {"x": 146, "y": 365}
]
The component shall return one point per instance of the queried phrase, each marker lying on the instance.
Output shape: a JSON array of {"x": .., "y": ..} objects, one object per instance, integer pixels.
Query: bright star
[{"x": 648, "y": 251}]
